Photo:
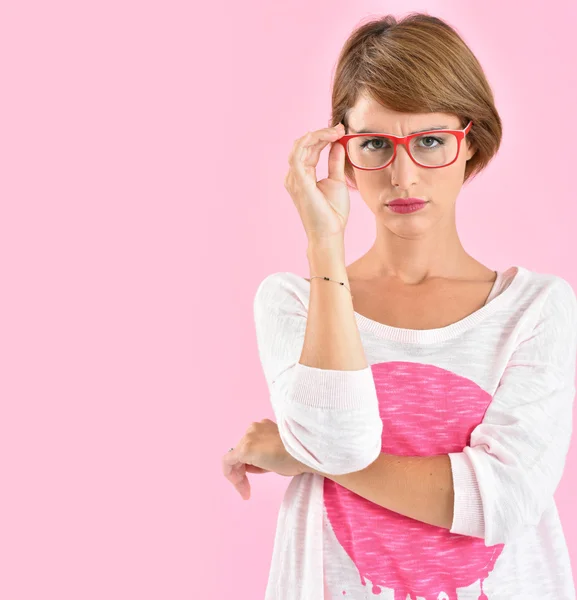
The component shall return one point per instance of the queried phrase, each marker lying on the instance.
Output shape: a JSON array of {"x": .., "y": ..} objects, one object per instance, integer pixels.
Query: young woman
[{"x": 423, "y": 400}]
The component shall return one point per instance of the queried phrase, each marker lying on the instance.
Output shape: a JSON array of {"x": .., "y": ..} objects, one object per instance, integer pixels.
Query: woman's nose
[{"x": 403, "y": 169}]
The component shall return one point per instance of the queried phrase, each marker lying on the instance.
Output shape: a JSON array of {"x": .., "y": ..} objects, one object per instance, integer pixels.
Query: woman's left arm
[
  {"x": 420, "y": 487},
  {"x": 414, "y": 486}
]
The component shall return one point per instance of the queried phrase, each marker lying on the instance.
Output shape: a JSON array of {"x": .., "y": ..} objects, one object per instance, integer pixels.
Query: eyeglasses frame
[{"x": 404, "y": 140}]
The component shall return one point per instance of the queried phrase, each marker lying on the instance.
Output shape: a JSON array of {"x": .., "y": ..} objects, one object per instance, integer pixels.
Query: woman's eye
[
  {"x": 433, "y": 139},
  {"x": 379, "y": 142}
]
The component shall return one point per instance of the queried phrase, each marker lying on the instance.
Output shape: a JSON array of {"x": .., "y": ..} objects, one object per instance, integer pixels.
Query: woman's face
[{"x": 403, "y": 178}]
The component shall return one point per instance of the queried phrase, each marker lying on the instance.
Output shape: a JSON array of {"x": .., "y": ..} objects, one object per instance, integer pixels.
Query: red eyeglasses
[{"x": 428, "y": 149}]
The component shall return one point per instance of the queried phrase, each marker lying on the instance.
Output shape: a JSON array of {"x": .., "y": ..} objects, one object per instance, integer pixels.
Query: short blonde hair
[{"x": 415, "y": 65}]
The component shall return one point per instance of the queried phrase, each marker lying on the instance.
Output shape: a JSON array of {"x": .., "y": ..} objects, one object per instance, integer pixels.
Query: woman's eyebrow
[{"x": 431, "y": 128}]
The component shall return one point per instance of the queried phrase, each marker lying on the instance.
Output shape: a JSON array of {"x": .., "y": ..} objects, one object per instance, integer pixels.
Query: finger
[
  {"x": 301, "y": 151},
  {"x": 243, "y": 488},
  {"x": 231, "y": 462},
  {"x": 304, "y": 165},
  {"x": 309, "y": 147},
  {"x": 236, "y": 474},
  {"x": 337, "y": 162},
  {"x": 241, "y": 483},
  {"x": 255, "y": 470},
  {"x": 312, "y": 157},
  {"x": 312, "y": 141}
]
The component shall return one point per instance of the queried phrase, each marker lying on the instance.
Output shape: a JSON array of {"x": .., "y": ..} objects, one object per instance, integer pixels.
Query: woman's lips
[
  {"x": 397, "y": 201},
  {"x": 407, "y": 208}
]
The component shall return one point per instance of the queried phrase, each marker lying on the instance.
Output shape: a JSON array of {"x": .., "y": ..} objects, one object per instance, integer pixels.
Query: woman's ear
[{"x": 471, "y": 149}]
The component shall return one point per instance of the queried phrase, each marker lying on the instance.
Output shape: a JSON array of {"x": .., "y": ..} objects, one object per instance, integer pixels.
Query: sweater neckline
[{"x": 440, "y": 334}]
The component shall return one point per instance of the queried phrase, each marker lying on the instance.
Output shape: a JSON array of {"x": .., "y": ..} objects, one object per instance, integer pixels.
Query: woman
[{"x": 423, "y": 400}]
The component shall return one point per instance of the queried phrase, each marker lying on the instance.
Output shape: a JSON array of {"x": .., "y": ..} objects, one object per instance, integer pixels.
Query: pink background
[{"x": 144, "y": 147}]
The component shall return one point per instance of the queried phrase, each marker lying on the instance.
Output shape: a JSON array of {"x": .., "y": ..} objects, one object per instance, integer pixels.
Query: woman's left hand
[{"x": 260, "y": 450}]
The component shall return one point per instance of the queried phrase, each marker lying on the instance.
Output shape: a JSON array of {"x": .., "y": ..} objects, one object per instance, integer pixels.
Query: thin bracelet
[{"x": 328, "y": 279}]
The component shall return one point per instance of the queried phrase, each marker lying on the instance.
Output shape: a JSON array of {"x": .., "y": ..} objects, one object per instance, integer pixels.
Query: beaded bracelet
[{"x": 328, "y": 279}]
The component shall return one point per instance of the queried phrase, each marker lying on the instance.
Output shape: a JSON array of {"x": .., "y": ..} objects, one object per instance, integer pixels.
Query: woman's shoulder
[{"x": 283, "y": 288}]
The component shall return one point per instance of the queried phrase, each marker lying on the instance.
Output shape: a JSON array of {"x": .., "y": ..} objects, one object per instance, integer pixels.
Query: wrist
[{"x": 326, "y": 247}]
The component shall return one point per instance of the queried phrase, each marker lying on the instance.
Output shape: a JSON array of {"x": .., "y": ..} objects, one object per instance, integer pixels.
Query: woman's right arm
[{"x": 328, "y": 419}]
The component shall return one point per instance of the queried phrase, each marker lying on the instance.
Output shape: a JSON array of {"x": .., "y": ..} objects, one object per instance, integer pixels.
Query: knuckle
[
  {"x": 253, "y": 428},
  {"x": 304, "y": 138}
]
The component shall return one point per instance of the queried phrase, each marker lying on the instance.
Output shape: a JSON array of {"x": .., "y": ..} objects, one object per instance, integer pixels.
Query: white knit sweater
[{"x": 494, "y": 391}]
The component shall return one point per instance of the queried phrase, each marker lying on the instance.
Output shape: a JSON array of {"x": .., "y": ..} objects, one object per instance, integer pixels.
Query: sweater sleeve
[
  {"x": 506, "y": 477},
  {"x": 327, "y": 419}
]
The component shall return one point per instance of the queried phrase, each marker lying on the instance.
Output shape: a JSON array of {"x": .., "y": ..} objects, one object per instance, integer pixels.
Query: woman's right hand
[{"x": 323, "y": 206}]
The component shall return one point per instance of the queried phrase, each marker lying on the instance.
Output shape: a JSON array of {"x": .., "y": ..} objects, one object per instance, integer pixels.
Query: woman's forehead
[{"x": 375, "y": 117}]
